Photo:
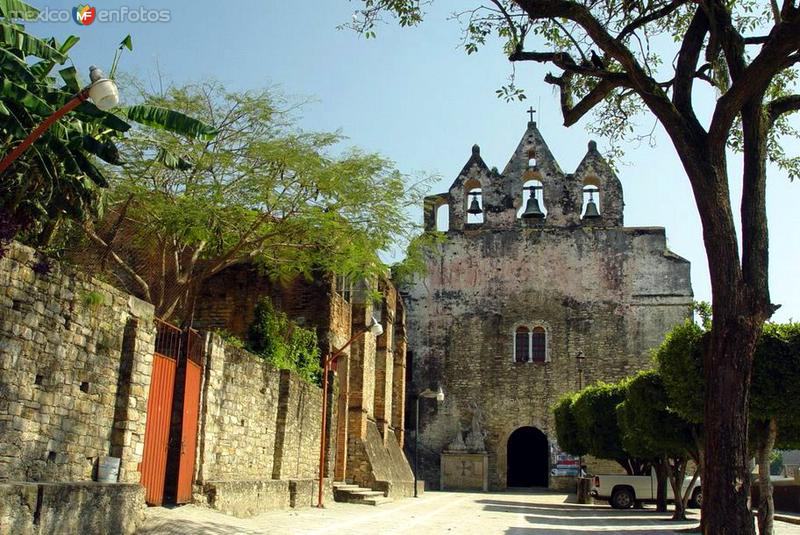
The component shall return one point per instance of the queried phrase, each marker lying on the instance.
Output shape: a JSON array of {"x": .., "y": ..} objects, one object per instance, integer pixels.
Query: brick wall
[{"x": 228, "y": 300}]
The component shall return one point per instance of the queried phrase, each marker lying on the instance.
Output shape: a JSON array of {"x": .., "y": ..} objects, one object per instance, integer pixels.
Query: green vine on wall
[{"x": 284, "y": 343}]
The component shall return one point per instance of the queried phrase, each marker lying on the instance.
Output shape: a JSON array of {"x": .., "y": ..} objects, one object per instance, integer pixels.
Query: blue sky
[{"x": 414, "y": 96}]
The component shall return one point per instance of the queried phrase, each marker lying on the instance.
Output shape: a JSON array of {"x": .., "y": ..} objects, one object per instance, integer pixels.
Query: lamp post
[
  {"x": 101, "y": 90},
  {"x": 427, "y": 393},
  {"x": 376, "y": 329},
  {"x": 580, "y": 358}
]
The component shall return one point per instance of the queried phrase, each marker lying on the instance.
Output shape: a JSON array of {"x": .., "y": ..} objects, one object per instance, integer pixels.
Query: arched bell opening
[
  {"x": 532, "y": 201},
  {"x": 528, "y": 458},
  {"x": 474, "y": 202},
  {"x": 443, "y": 217},
  {"x": 590, "y": 205},
  {"x": 532, "y": 191}
]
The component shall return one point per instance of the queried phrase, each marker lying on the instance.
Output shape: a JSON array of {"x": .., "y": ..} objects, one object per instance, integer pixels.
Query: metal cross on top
[{"x": 531, "y": 111}]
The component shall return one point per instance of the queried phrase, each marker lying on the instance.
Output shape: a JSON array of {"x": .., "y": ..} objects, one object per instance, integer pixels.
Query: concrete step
[
  {"x": 349, "y": 493},
  {"x": 382, "y": 500},
  {"x": 345, "y": 486}
]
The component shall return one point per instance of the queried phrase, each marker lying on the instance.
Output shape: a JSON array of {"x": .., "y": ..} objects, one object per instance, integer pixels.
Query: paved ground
[{"x": 508, "y": 513}]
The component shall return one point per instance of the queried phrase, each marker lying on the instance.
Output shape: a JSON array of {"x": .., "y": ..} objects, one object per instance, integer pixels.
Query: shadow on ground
[
  {"x": 556, "y": 518},
  {"x": 183, "y": 527}
]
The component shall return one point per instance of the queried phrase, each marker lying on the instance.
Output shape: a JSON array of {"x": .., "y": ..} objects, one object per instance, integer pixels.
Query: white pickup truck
[{"x": 623, "y": 492}]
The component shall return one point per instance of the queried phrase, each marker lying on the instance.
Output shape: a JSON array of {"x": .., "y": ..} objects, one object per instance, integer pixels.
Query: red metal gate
[
  {"x": 159, "y": 411},
  {"x": 191, "y": 408}
]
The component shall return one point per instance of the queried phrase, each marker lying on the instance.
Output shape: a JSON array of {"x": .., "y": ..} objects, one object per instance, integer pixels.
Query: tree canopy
[
  {"x": 262, "y": 191},
  {"x": 651, "y": 429},
  {"x": 595, "y": 417},
  {"x": 679, "y": 360},
  {"x": 567, "y": 433}
]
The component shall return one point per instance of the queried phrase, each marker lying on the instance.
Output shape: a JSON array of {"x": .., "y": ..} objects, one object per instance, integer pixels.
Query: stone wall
[
  {"x": 258, "y": 436},
  {"x": 75, "y": 364},
  {"x": 75, "y": 359},
  {"x": 238, "y": 414},
  {"x": 586, "y": 289},
  {"x": 66, "y": 344},
  {"x": 299, "y": 425}
]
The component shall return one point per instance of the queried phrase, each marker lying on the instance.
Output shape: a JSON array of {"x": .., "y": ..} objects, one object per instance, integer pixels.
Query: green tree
[
  {"x": 773, "y": 416},
  {"x": 283, "y": 343},
  {"x": 262, "y": 192},
  {"x": 59, "y": 178},
  {"x": 594, "y": 410},
  {"x": 613, "y": 59},
  {"x": 567, "y": 433},
  {"x": 679, "y": 361},
  {"x": 774, "y": 411},
  {"x": 651, "y": 429}
]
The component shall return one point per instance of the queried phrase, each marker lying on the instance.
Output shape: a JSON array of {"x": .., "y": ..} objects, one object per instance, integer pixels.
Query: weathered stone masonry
[
  {"x": 258, "y": 437},
  {"x": 366, "y": 427},
  {"x": 75, "y": 359},
  {"x": 595, "y": 287},
  {"x": 75, "y": 368}
]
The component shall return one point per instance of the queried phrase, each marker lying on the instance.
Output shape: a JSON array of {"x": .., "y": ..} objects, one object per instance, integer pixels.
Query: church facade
[{"x": 536, "y": 289}]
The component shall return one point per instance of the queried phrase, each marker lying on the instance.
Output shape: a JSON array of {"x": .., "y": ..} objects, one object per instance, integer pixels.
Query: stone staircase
[{"x": 350, "y": 493}]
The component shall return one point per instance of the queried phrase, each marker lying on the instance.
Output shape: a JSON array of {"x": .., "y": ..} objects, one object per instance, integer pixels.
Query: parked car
[{"x": 623, "y": 491}]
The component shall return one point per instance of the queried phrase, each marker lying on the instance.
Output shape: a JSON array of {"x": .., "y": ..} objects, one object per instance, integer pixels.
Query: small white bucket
[{"x": 108, "y": 469}]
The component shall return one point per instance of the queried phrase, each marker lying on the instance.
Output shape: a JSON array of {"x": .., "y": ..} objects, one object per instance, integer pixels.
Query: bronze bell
[
  {"x": 532, "y": 210},
  {"x": 474, "y": 207},
  {"x": 591, "y": 209}
]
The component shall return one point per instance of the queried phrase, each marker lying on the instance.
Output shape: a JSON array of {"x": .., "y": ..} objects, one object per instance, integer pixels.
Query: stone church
[{"x": 536, "y": 289}]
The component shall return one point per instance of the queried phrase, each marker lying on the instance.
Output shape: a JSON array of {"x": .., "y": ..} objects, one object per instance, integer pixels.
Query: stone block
[
  {"x": 69, "y": 508},
  {"x": 248, "y": 498}
]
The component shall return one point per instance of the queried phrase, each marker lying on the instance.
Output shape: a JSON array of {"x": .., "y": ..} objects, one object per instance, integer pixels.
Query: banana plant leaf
[
  {"x": 171, "y": 121},
  {"x": 9, "y": 8},
  {"x": 89, "y": 169},
  {"x": 109, "y": 120},
  {"x": 71, "y": 79},
  {"x": 14, "y": 67},
  {"x": 69, "y": 42},
  {"x": 18, "y": 94},
  {"x": 13, "y": 36},
  {"x": 105, "y": 150},
  {"x": 171, "y": 160}
]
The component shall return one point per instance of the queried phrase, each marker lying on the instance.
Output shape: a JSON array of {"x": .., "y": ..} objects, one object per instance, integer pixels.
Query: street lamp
[
  {"x": 101, "y": 90},
  {"x": 580, "y": 358},
  {"x": 430, "y": 394},
  {"x": 376, "y": 329}
]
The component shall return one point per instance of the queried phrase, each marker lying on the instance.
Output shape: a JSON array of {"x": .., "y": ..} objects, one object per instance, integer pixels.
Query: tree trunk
[
  {"x": 766, "y": 505},
  {"x": 726, "y": 483},
  {"x": 661, "y": 481},
  {"x": 740, "y": 307},
  {"x": 676, "y": 475}
]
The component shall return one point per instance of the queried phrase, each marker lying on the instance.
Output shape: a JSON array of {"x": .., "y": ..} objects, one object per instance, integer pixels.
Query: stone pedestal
[{"x": 464, "y": 471}]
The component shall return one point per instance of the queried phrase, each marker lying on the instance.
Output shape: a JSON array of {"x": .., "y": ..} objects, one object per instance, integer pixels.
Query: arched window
[
  {"x": 443, "y": 217},
  {"x": 522, "y": 345},
  {"x": 538, "y": 344},
  {"x": 473, "y": 201}
]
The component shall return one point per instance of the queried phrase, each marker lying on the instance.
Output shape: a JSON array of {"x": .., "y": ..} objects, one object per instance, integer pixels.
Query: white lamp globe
[
  {"x": 376, "y": 328},
  {"x": 103, "y": 92}
]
